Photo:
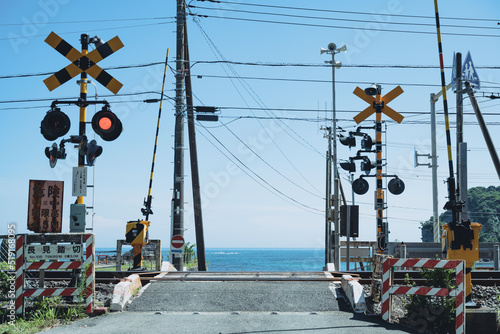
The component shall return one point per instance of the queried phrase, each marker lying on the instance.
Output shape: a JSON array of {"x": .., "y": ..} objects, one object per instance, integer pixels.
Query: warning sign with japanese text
[
  {"x": 53, "y": 252},
  {"x": 45, "y": 203}
]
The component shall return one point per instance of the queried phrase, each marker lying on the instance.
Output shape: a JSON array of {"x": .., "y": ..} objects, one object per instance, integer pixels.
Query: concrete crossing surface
[{"x": 236, "y": 303}]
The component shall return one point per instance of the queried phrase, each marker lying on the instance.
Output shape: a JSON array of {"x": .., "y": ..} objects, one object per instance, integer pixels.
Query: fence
[
  {"x": 54, "y": 251},
  {"x": 388, "y": 289}
]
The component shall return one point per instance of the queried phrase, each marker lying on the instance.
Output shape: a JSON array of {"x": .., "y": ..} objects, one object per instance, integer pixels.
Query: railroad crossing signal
[
  {"x": 372, "y": 100},
  {"x": 83, "y": 63}
]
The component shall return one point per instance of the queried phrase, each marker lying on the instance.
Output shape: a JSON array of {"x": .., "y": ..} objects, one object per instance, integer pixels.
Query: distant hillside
[{"x": 483, "y": 208}]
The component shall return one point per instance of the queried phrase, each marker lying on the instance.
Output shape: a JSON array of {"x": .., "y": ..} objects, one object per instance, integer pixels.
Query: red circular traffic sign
[{"x": 177, "y": 241}]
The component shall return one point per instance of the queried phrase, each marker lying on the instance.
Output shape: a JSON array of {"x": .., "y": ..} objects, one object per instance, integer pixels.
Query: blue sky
[{"x": 238, "y": 211}]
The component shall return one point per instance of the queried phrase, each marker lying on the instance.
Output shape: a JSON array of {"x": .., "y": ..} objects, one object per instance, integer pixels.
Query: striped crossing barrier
[
  {"x": 388, "y": 289},
  {"x": 86, "y": 265}
]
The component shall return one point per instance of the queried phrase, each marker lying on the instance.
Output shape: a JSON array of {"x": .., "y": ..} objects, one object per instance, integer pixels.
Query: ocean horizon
[{"x": 229, "y": 259}]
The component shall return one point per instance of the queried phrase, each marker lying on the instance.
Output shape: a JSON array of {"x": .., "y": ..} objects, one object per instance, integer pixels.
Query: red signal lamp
[{"x": 106, "y": 124}]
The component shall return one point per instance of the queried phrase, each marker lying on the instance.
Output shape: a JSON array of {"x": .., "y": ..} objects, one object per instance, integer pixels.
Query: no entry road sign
[{"x": 177, "y": 242}]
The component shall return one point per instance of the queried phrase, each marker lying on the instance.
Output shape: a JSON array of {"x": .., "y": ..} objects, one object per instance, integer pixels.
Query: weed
[{"x": 436, "y": 313}]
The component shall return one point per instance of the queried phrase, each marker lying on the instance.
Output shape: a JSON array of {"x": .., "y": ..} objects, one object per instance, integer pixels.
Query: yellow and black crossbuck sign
[
  {"x": 83, "y": 63},
  {"x": 384, "y": 100}
]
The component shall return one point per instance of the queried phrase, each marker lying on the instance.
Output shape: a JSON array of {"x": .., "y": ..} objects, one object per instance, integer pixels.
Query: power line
[
  {"x": 200, "y": 76},
  {"x": 276, "y": 191},
  {"x": 343, "y": 19},
  {"x": 101, "y": 29},
  {"x": 322, "y": 10},
  {"x": 383, "y": 66},
  {"x": 340, "y": 27},
  {"x": 94, "y": 21},
  {"x": 272, "y": 167}
]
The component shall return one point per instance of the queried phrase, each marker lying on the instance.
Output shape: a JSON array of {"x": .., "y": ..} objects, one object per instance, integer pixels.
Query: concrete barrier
[
  {"x": 123, "y": 291},
  {"x": 354, "y": 292},
  {"x": 482, "y": 320}
]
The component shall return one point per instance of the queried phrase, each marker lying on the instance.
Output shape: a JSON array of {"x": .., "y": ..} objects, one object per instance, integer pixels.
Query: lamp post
[{"x": 332, "y": 49}]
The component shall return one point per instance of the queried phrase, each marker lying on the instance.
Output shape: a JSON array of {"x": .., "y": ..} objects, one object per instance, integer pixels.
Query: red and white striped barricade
[
  {"x": 389, "y": 289},
  {"x": 50, "y": 257}
]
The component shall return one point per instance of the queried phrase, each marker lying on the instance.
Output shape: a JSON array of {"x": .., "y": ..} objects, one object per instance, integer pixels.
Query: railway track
[{"x": 485, "y": 278}]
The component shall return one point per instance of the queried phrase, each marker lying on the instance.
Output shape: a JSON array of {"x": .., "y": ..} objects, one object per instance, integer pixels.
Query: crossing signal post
[
  {"x": 378, "y": 105},
  {"x": 57, "y": 124}
]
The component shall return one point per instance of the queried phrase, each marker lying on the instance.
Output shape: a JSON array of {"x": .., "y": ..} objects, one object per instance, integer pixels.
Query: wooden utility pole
[
  {"x": 177, "y": 227},
  {"x": 193, "y": 155}
]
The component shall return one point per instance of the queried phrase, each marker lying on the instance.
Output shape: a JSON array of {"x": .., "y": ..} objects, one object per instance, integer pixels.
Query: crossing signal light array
[
  {"x": 55, "y": 124},
  {"x": 348, "y": 141},
  {"x": 53, "y": 153},
  {"x": 92, "y": 151},
  {"x": 106, "y": 124}
]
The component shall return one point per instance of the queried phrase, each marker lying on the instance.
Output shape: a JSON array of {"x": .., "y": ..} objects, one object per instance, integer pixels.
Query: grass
[{"x": 46, "y": 313}]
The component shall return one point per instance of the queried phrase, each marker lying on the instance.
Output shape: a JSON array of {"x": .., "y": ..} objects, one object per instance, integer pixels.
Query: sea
[{"x": 258, "y": 259}]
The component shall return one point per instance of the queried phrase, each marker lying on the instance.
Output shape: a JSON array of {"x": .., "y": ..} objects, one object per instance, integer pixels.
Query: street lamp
[{"x": 332, "y": 49}]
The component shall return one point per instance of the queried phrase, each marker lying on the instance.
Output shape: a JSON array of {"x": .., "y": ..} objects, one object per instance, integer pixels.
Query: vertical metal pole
[
  {"x": 198, "y": 218},
  {"x": 379, "y": 204},
  {"x": 178, "y": 194},
  {"x": 335, "y": 175},
  {"x": 434, "y": 165},
  {"x": 328, "y": 205},
  {"x": 84, "y": 39},
  {"x": 348, "y": 230}
]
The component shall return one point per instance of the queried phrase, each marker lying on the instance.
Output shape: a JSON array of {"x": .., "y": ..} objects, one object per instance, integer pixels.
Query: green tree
[{"x": 484, "y": 208}]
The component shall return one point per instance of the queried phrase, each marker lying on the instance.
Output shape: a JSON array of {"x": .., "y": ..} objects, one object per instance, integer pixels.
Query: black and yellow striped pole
[
  {"x": 379, "y": 204},
  {"x": 83, "y": 106},
  {"x": 378, "y": 104},
  {"x": 146, "y": 211},
  {"x": 460, "y": 238},
  {"x": 451, "y": 178}
]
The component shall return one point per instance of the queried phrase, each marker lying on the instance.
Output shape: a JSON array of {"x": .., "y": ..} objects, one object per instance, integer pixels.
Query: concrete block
[
  {"x": 123, "y": 291},
  {"x": 329, "y": 267},
  {"x": 354, "y": 292},
  {"x": 481, "y": 320}
]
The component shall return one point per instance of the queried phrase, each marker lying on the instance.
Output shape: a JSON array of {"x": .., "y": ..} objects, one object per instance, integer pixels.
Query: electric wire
[
  {"x": 100, "y": 29},
  {"x": 340, "y": 27},
  {"x": 376, "y": 66},
  {"x": 255, "y": 176},
  {"x": 268, "y": 164},
  {"x": 256, "y": 98},
  {"x": 324, "y": 10},
  {"x": 342, "y": 19}
]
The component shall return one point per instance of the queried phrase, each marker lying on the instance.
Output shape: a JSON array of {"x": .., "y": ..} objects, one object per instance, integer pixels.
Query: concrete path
[{"x": 235, "y": 305}]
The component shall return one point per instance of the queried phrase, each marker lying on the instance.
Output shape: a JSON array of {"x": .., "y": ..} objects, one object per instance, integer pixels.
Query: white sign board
[
  {"x": 53, "y": 252},
  {"x": 79, "y": 181}
]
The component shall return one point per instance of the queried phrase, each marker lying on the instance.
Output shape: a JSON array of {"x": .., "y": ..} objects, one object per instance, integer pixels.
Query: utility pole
[
  {"x": 328, "y": 212},
  {"x": 198, "y": 218},
  {"x": 332, "y": 49},
  {"x": 434, "y": 166},
  {"x": 461, "y": 146},
  {"x": 177, "y": 227}
]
